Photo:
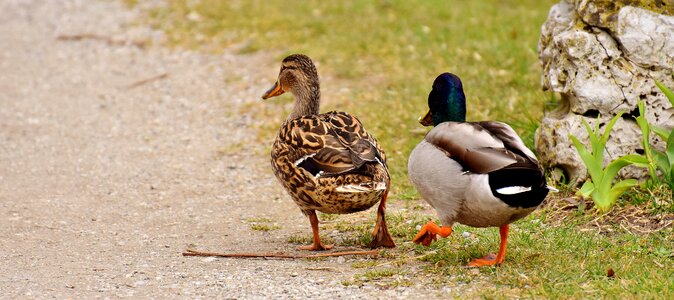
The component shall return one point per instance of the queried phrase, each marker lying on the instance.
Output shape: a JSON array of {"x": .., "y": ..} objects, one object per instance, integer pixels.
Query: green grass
[
  {"x": 563, "y": 262},
  {"x": 377, "y": 60},
  {"x": 264, "y": 227},
  {"x": 546, "y": 258},
  {"x": 259, "y": 220},
  {"x": 262, "y": 224},
  {"x": 300, "y": 239},
  {"x": 387, "y": 54}
]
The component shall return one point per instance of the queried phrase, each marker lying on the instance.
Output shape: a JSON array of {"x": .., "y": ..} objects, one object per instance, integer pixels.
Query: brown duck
[{"x": 327, "y": 162}]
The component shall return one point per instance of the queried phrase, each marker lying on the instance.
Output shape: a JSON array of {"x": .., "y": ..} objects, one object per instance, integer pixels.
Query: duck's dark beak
[
  {"x": 273, "y": 91},
  {"x": 427, "y": 120}
]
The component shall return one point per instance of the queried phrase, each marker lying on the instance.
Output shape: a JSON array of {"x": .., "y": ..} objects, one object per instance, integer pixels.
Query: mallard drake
[
  {"x": 327, "y": 162},
  {"x": 479, "y": 174}
]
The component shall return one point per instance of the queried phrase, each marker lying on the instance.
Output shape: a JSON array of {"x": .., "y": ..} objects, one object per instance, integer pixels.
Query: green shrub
[
  {"x": 600, "y": 187},
  {"x": 649, "y": 153},
  {"x": 662, "y": 160}
]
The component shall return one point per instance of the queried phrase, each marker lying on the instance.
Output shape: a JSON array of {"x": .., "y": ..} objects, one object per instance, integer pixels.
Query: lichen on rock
[
  {"x": 604, "y": 13},
  {"x": 602, "y": 57}
]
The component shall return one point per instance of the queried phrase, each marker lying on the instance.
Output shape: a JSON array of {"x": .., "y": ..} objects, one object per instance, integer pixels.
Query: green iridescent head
[{"x": 446, "y": 101}]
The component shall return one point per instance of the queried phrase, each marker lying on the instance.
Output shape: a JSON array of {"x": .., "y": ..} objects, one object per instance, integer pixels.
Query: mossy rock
[{"x": 604, "y": 13}]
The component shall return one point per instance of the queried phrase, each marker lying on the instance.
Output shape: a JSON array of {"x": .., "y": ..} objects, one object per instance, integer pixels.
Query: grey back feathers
[{"x": 481, "y": 147}]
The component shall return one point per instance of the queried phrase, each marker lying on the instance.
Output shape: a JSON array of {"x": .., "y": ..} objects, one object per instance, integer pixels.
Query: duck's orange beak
[
  {"x": 427, "y": 120},
  {"x": 274, "y": 91}
]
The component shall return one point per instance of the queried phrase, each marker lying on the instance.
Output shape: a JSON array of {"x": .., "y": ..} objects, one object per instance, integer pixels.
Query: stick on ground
[
  {"x": 107, "y": 39},
  {"x": 147, "y": 80},
  {"x": 191, "y": 252}
]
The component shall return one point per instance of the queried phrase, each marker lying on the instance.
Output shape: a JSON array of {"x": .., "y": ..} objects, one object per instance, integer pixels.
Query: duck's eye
[{"x": 287, "y": 79}]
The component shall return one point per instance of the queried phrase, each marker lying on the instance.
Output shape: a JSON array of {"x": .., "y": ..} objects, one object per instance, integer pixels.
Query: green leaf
[
  {"x": 645, "y": 140},
  {"x": 607, "y": 130},
  {"x": 636, "y": 159},
  {"x": 601, "y": 200},
  {"x": 643, "y": 124},
  {"x": 623, "y": 185},
  {"x": 615, "y": 166},
  {"x": 591, "y": 163},
  {"x": 592, "y": 137},
  {"x": 666, "y": 91},
  {"x": 662, "y": 132},
  {"x": 661, "y": 161},
  {"x": 586, "y": 189},
  {"x": 670, "y": 148},
  {"x": 619, "y": 188}
]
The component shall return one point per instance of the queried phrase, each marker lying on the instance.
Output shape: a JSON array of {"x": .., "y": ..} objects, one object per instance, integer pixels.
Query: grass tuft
[{"x": 262, "y": 224}]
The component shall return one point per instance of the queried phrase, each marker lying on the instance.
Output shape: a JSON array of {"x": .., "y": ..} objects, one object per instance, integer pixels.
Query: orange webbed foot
[
  {"x": 429, "y": 232},
  {"x": 381, "y": 237},
  {"x": 493, "y": 259},
  {"x": 488, "y": 260},
  {"x": 424, "y": 237},
  {"x": 316, "y": 247}
]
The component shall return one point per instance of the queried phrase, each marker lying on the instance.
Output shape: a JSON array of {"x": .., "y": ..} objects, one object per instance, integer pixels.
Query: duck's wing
[
  {"x": 329, "y": 144},
  {"x": 494, "y": 149},
  {"x": 509, "y": 137},
  {"x": 482, "y": 147}
]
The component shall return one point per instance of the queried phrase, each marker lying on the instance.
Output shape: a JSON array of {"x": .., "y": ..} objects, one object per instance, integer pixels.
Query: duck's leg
[
  {"x": 381, "y": 236},
  {"x": 429, "y": 233},
  {"x": 317, "y": 245},
  {"x": 492, "y": 259}
]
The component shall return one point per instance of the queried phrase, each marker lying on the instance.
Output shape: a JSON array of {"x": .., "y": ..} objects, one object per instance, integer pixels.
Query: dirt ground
[{"x": 115, "y": 156}]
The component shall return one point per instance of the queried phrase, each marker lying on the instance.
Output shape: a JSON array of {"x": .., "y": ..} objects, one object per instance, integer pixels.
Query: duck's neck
[
  {"x": 307, "y": 102},
  {"x": 457, "y": 106},
  {"x": 453, "y": 107}
]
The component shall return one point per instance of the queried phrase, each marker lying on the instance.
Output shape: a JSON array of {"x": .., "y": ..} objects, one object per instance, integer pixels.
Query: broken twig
[
  {"x": 98, "y": 37},
  {"x": 191, "y": 252},
  {"x": 147, "y": 80}
]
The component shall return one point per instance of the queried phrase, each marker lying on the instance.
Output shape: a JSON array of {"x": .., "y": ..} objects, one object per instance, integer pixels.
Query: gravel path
[{"x": 115, "y": 156}]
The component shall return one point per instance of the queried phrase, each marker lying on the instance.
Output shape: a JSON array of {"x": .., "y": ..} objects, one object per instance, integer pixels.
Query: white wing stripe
[
  {"x": 511, "y": 190},
  {"x": 299, "y": 161}
]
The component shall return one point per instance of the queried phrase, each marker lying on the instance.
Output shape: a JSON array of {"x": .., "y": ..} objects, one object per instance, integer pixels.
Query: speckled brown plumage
[
  {"x": 327, "y": 162},
  {"x": 338, "y": 147}
]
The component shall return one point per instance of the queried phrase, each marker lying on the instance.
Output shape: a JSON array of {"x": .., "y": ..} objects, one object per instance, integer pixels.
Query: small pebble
[
  {"x": 209, "y": 259},
  {"x": 465, "y": 234}
]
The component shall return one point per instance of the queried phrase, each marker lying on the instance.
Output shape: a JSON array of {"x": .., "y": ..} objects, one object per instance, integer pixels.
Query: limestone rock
[
  {"x": 647, "y": 38},
  {"x": 601, "y": 57},
  {"x": 604, "y": 13}
]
